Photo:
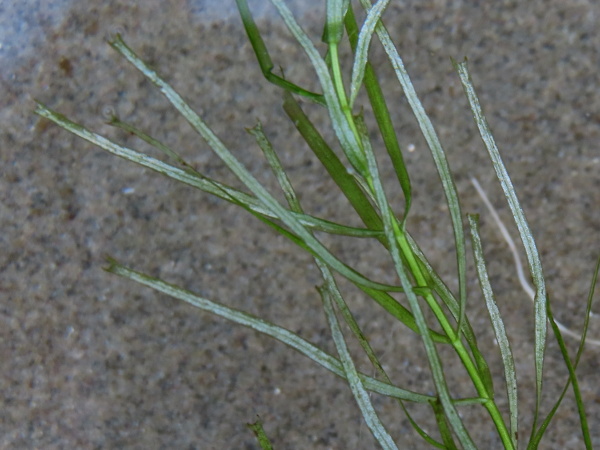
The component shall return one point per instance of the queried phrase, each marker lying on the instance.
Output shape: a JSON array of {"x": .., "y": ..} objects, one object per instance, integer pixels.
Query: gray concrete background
[{"x": 93, "y": 361}]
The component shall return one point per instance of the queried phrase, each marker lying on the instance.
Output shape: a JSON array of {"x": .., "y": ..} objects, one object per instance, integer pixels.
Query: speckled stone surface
[{"x": 93, "y": 361}]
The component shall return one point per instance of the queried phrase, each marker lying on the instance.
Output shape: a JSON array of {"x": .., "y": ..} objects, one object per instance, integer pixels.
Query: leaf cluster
[{"x": 355, "y": 170}]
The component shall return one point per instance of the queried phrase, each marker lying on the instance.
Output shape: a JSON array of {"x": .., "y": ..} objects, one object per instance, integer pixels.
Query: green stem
[
  {"x": 338, "y": 83},
  {"x": 456, "y": 342}
]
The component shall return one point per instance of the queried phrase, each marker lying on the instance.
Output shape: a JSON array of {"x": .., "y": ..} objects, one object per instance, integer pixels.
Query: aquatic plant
[{"x": 419, "y": 298}]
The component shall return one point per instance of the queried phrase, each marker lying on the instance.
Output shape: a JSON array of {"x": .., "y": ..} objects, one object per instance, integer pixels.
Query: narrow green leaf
[
  {"x": 335, "y": 168},
  {"x": 533, "y": 257},
  {"x": 264, "y": 59},
  {"x": 356, "y": 385},
  {"x": 116, "y": 122},
  {"x": 443, "y": 426},
  {"x": 336, "y": 296},
  {"x": 281, "y": 334},
  {"x": 261, "y": 436},
  {"x": 382, "y": 116},
  {"x": 276, "y": 167},
  {"x": 534, "y": 443},
  {"x": 585, "y": 430},
  {"x": 362, "y": 47},
  {"x": 588, "y": 312},
  {"x": 510, "y": 374}
]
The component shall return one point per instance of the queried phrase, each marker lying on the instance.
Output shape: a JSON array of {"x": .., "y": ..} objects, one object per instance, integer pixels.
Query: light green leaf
[
  {"x": 273, "y": 160},
  {"x": 281, "y": 334},
  {"x": 510, "y": 374},
  {"x": 533, "y": 257},
  {"x": 356, "y": 385},
  {"x": 362, "y": 48},
  {"x": 197, "y": 180}
]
